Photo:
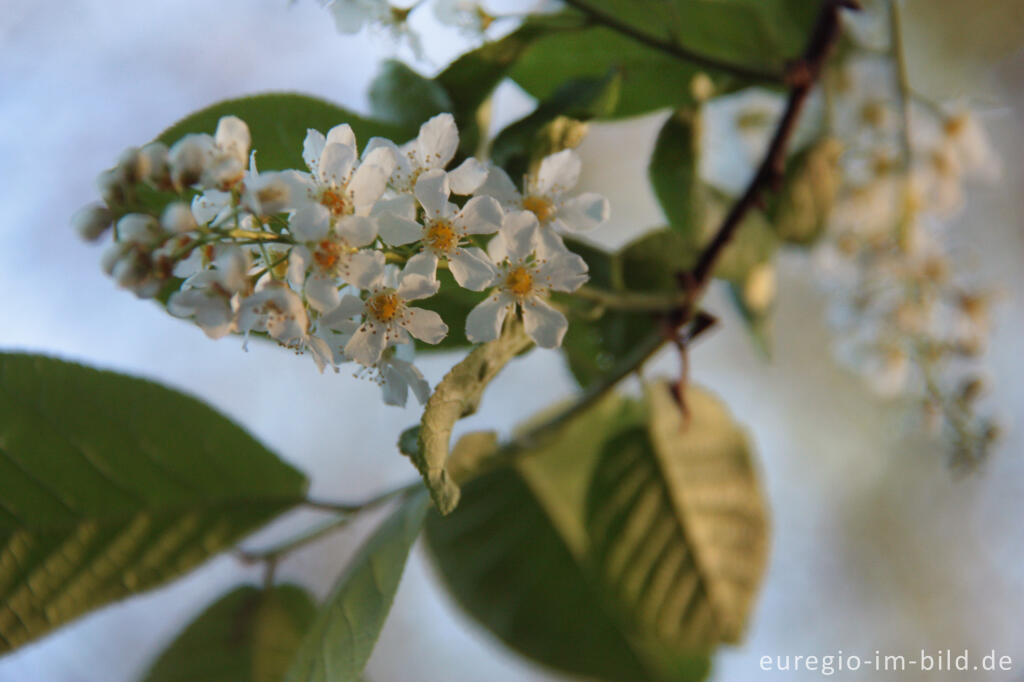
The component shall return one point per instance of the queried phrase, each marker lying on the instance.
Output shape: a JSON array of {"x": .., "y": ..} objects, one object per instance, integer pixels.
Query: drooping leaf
[
  {"x": 338, "y": 645},
  {"x": 248, "y": 635},
  {"x": 403, "y": 97},
  {"x": 111, "y": 485},
  {"x": 678, "y": 524},
  {"x": 675, "y": 174},
  {"x": 278, "y": 123},
  {"x": 523, "y": 141},
  {"x": 457, "y": 396},
  {"x": 507, "y": 562}
]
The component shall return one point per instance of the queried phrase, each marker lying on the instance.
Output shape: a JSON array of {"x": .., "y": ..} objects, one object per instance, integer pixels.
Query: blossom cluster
[
  {"x": 910, "y": 321},
  {"x": 332, "y": 259}
]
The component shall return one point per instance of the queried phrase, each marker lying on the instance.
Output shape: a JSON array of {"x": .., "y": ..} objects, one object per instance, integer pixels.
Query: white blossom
[
  {"x": 433, "y": 149},
  {"x": 386, "y": 319},
  {"x": 276, "y": 310},
  {"x": 547, "y": 196},
  {"x": 524, "y": 278},
  {"x": 447, "y": 229},
  {"x": 211, "y": 296}
]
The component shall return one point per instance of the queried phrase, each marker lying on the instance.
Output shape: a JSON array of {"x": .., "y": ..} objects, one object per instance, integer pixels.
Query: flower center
[
  {"x": 540, "y": 207},
  {"x": 955, "y": 125},
  {"x": 334, "y": 201},
  {"x": 384, "y": 306},
  {"x": 519, "y": 281},
  {"x": 441, "y": 236},
  {"x": 327, "y": 254}
]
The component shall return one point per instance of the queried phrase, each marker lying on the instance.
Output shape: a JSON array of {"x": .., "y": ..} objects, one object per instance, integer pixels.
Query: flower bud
[
  {"x": 188, "y": 159},
  {"x": 701, "y": 87},
  {"x": 111, "y": 184},
  {"x": 759, "y": 288},
  {"x": 138, "y": 228},
  {"x": 133, "y": 165},
  {"x": 233, "y": 139},
  {"x": 158, "y": 170},
  {"x": 178, "y": 218},
  {"x": 110, "y": 257},
  {"x": 92, "y": 221}
]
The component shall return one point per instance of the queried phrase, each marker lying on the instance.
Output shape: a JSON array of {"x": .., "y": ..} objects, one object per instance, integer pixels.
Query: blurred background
[{"x": 876, "y": 545}]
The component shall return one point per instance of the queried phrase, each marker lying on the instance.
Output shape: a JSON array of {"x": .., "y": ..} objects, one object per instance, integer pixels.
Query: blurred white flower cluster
[
  {"x": 330, "y": 260},
  {"x": 911, "y": 317},
  {"x": 472, "y": 17}
]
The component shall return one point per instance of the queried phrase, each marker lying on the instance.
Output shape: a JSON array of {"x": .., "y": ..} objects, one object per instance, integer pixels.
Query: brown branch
[
  {"x": 803, "y": 75},
  {"x": 674, "y": 49}
]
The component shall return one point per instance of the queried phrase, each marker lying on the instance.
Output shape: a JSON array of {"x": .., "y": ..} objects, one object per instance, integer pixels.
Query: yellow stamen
[
  {"x": 384, "y": 306},
  {"x": 335, "y": 202},
  {"x": 540, "y": 207},
  {"x": 441, "y": 236},
  {"x": 519, "y": 281}
]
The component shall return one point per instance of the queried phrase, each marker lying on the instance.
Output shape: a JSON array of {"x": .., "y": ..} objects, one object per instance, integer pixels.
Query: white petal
[
  {"x": 365, "y": 269},
  {"x": 472, "y": 269},
  {"x": 558, "y": 173},
  {"x": 311, "y": 223},
  {"x": 396, "y": 230},
  {"x": 403, "y": 206},
  {"x": 366, "y": 344},
  {"x": 357, "y": 230},
  {"x": 209, "y": 205},
  {"x": 312, "y": 148},
  {"x": 340, "y": 319},
  {"x": 564, "y": 271},
  {"x": 336, "y": 163},
  {"x": 400, "y": 158},
  {"x": 393, "y": 387},
  {"x": 584, "y": 212},
  {"x": 520, "y": 232},
  {"x": 425, "y": 325},
  {"x": 433, "y": 192},
  {"x": 500, "y": 186},
  {"x": 301, "y": 188},
  {"x": 413, "y": 377},
  {"x": 484, "y": 321},
  {"x": 480, "y": 215},
  {"x": 545, "y": 325},
  {"x": 322, "y": 293},
  {"x": 233, "y": 137},
  {"x": 341, "y": 134},
  {"x": 497, "y": 249},
  {"x": 437, "y": 141},
  {"x": 468, "y": 177},
  {"x": 423, "y": 263},
  {"x": 549, "y": 243},
  {"x": 371, "y": 179},
  {"x": 298, "y": 260}
]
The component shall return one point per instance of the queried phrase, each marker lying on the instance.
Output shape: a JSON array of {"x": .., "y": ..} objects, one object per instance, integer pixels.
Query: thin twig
[
  {"x": 676, "y": 50},
  {"x": 772, "y": 167},
  {"x": 353, "y": 508}
]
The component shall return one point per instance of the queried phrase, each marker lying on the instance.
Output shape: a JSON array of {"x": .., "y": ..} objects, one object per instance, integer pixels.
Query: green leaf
[
  {"x": 112, "y": 485},
  {"x": 597, "y": 338},
  {"x": 674, "y": 171},
  {"x": 248, "y": 635},
  {"x": 522, "y": 142},
  {"x": 341, "y": 639},
  {"x": 678, "y": 524},
  {"x": 278, "y": 123},
  {"x": 470, "y": 79},
  {"x": 403, "y": 97},
  {"x": 801, "y": 209},
  {"x": 505, "y": 558},
  {"x": 457, "y": 396},
  {"x": 651, "y": 80}
]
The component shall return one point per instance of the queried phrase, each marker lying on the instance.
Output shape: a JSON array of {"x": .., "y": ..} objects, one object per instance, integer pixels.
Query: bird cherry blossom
[
  {"x": 524, "y": 278},
  {"x": 386, "y": 319},
  {"x": 547, "y": 195},
  {"x": 211, "y": 296},
  {"x": 446, "y": 230}
]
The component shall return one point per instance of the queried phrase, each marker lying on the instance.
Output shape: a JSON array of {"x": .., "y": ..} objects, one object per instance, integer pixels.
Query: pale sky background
[{"x": 875, "y": 545}]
